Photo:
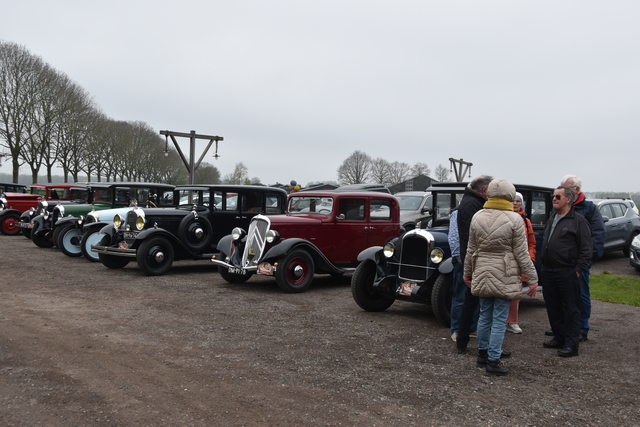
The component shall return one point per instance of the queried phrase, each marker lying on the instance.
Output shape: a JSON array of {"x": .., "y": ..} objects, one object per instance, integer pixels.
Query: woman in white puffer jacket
[{"x": 497, "y": 256}]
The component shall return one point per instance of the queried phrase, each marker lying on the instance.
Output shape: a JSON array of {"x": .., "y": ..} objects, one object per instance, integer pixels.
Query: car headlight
[
  {"x": 32, "y": 211},
  {"x": 436, "y": 255},
  {"x": 92, "y": 217},
  {"x": 140, "y": 223},
  {"x": 117, "y": 221},
  {"x": 272, "y": 236},
  {"x": 237, "y": 233},
  {"x": 388, "y": 250},
  {"x": 635, "y": 243}
]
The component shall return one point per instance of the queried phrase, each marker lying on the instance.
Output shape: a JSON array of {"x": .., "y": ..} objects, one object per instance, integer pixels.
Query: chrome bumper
[{"x": 131, "y": 253}]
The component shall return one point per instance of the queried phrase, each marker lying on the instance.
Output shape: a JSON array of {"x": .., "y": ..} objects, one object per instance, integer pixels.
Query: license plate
[
  {"x": 130, "y": 235},
  {"x": 235, "y": 270}
]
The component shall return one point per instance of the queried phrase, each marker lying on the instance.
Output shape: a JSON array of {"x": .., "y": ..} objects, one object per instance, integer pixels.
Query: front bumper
[{"x": 119, "y": 251}]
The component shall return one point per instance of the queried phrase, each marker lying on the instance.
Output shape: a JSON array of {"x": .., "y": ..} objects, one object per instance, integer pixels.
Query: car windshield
[
  {"x": 310, "y": 204},
  {"x": 409, "y": 203}
]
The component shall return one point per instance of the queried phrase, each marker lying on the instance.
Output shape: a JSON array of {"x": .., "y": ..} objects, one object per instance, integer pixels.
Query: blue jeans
[
  {"x": 492, "y": 325},
  {"x": 585, "y": 301},
  {"x": 459, "y": 290}
]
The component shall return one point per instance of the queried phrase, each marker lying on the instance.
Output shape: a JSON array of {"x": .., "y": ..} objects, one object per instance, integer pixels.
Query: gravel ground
[{"x": 81, "y": 345}]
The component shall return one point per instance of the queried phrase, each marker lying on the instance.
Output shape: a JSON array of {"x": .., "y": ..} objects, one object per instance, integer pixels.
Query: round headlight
[
  {"x": 117, "y": 221},
  {"x": 272, "y": 236},
  {"x": 388, "y": 250},
  {"x": 237, "y": 233},
  {"x": 140, "y": 223},
  {"x": 436, "y": 255}
]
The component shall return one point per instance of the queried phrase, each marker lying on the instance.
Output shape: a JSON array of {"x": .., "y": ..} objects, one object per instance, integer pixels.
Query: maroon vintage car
[
  {"x": 322, "y": 232},
  {"x": 12, "y": 205}
]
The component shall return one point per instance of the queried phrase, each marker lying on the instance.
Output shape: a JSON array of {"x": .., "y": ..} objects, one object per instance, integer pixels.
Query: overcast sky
[{"x": 526, "y": 91}]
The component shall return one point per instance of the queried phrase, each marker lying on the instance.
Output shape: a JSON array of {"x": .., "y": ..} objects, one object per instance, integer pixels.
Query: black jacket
[
  {"x": 471, "y": 203},
  {"x": 570, "y": 243}
]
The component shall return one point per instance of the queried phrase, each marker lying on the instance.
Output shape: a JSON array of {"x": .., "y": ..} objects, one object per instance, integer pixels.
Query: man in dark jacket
[
  {"x": 592, "y": 214},
  {"x": 473, "y": 199},
  {"x": 566, "y": 254}
]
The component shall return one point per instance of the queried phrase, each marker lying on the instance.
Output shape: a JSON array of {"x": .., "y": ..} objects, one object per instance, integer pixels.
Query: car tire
[
  {"x": 362, "y": 288},
  {"x": 232, "y": 277},
  {"x": 88, "y": 239},
  {"x": 627, "y": 249},
  {"x": 441, "y": 296},
  {"x": 110, "y": 261},
  {"x": 188, "y": 230},
  {"x": 155, "y": 256},
  {"x": 294, "y": 273},
  {"x": 68, "y": 240},
  {"x": 9, "y": 225},
  {"x": 40, "y": 241}
]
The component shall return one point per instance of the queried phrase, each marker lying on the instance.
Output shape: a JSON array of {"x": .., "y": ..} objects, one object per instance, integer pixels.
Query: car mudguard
[
  {"x": 66, "y": 220},
  {"x": 39, "y": 219},
  {"x": 10, "y": 211},
  {"x": 446, "y": 267},
  {"x": 285, "y": 246},
  {"x": 369, "y": 253},
  {"x": 224, "y": 244},
  {"x": 160, "y": 232},
  {"x": 109, "y": 230},
  {"x": 93, "y": 227}
]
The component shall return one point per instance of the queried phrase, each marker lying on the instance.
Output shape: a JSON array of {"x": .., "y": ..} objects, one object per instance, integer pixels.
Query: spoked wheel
[
  {"x": 155, "y": 256},
  {"x": 69, "y": 240},
  {"x": 9, "y": 225},
  {"x": 295, "y": 273},
  {"x": 362, "y": 288}
]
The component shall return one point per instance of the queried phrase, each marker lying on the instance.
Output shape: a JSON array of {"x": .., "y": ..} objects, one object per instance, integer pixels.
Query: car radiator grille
[
  {"x": 414, "y": 258},
  {"x": 256, "y": 240}
]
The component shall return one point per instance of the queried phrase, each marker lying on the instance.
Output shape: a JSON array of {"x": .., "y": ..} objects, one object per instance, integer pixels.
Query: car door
[
  {"x": 352, "y": 230},
  {"x": 613, "y": 227}
]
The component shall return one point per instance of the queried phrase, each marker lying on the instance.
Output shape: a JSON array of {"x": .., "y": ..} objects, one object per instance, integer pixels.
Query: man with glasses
[
  {"x": 566, "y": 254},
  {"x": 591, "y": 213}
]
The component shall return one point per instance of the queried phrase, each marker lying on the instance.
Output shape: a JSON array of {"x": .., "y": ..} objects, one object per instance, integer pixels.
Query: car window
[
  {"x": 77, "y": 194},
  {"x": 605, "y": 210},
  {"x": 352, "y": 209},
  {"x": 273, "y": 203},
  {"x": 310, "y": 204},
  {"x": 380, "y": 210},
  {"x": 251, "y": 201},
  {"x": 539, "y": 208},
  {"x": 228, "y": 202},
  {"x": 618, "y": 210},
  {"x": 409, "y": 203},
  {"x": 189, "y": 197}
]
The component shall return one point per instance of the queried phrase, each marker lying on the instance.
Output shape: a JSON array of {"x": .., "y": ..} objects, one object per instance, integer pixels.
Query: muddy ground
[{"x": 81, "y": 345}]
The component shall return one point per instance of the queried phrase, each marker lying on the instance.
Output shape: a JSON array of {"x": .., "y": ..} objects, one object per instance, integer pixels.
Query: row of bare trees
[
  {"x": 360, "y": 168},
  {"x": 48, "y": 121}
]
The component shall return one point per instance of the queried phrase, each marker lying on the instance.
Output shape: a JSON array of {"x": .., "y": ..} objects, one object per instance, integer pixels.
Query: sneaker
[
  {"x": 513, "y": 327},
  {"x": 454, "y": 336},
  {"x": 473, "y": 334}
]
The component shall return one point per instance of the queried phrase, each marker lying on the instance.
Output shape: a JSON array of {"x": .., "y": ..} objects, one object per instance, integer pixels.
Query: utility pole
[
  {"x": 456, "y": 166},
  {"x": 191, "y": 165}
]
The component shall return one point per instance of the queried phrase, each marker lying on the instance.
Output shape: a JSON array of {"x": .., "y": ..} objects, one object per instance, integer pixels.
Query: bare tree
[
  {"x": 240, "y": 175},
  {"x": 442, "y": 173},
  {"x": 399, "y": 172},
  {"x": 380, "y": 171},
  {"x": 355, "y": 169},
  {"x": 420, "y": 169}
]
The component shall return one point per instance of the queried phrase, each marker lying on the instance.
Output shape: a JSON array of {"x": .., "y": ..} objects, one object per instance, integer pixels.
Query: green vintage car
[{"x": 46, "y": 226}]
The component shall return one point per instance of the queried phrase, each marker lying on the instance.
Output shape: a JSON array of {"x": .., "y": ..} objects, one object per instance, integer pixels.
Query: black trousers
[
  {"x": 469, "y": 311},
  {"x": 561, "y": 291}
]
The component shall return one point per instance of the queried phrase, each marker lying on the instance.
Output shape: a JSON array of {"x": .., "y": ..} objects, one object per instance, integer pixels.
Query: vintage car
[
  {"x": 321, "y": 233},
  {"x": 415, "y": 209},
  {"x": 157, "y": 237},
  {"x": 18, "y": 204},
  {"x": 417, "y": 266},
  {"x": 9, "y": 187},
  {"x": 45, "y": 228}
]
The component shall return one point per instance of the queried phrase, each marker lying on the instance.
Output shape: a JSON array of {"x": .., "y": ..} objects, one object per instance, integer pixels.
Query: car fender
[
  {"x": 369, "y": 253},
  {"x": 11, "y": 211},
  {"x": 159, "y": 232},
  {"x": 284, "y": 247},
  {"x": 109, "y": 230},
  {"x": 93, "y": 227},
  {"x": 66, "y": 220},
  {"x": 224, "y": 245},
  {"x": 40, "y": 221},
  {"x": 446, "y": 267}
]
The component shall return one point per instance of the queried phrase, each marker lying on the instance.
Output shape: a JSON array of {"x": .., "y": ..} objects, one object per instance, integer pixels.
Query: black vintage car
[
  {"x": 45, "y": 228},
  {"x": 417, "y": 266},
  {"x": 157, "y": 237}
]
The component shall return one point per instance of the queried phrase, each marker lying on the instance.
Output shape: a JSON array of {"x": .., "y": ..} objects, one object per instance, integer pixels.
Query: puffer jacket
[{"x": 498, "y": 255}]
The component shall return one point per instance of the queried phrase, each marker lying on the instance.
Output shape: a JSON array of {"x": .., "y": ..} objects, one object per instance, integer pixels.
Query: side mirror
[{"x": 605, "y": 218}]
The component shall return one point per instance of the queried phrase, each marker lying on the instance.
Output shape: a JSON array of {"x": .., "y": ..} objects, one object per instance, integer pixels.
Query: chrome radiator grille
[
  {"x": 256, "y": 240},
  {"x": 414, "y": 257}
]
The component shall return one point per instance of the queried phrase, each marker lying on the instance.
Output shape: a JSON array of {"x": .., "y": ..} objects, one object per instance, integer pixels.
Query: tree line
[
  {"x": 49, "y": 121},
  {"x": 360, "y": 168}
]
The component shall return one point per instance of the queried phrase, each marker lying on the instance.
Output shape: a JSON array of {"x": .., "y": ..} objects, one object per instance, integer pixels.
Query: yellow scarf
[{"x": 498, "y": 203}]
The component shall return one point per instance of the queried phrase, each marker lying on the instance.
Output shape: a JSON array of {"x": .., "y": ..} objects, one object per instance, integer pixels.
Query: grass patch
[{"x": 617, "y": 289}]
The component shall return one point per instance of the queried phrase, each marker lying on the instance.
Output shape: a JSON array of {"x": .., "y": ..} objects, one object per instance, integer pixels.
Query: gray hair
[
  {"x": 568, "y": 191},
  {"x": 480, "y": 183},
  {"x": 577, "y": 182}
]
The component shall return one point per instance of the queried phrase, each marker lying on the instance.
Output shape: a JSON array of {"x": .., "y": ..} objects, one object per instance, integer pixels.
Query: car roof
[
  {"x": 362, "y": 187},
  {"x": 342, "y": 194},
  {"x": 413, "y": 193}
]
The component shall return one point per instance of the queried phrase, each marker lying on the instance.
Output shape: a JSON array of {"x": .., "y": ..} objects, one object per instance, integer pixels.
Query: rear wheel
[
  {"x": 295, "y": 272},
  {"x": 362, "y": 288},
  {"x": 441, "y": 297},
  {"x": 42, "y": 241},
  {"x": 9, "y": 225},
  {"x": 69, "y": 240},
  {"x": 155, "y": 256},
  {"x": 88, "y": 239}
]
